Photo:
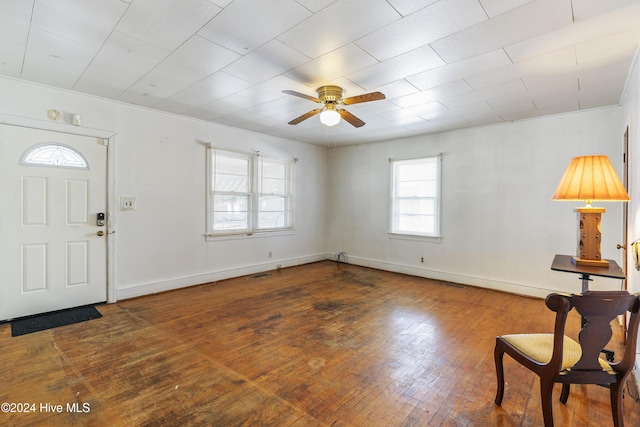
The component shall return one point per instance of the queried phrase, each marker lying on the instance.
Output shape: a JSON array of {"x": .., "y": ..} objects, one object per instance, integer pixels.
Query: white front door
[{"x": 53, "y": 253}]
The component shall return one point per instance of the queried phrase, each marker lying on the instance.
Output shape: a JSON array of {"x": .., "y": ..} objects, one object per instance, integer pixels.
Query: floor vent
[
  {"x": 453, "y": 285},
  {"x": 257, "y": 276}
]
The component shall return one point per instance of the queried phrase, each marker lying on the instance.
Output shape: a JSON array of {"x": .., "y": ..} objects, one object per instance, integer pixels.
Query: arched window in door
[{"x": 55, "y": 155}]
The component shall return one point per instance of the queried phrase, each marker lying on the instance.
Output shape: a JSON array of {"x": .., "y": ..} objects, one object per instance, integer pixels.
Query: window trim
[
  {"x": 436, "y": 236},
  {"x": 255, "y": 170}
]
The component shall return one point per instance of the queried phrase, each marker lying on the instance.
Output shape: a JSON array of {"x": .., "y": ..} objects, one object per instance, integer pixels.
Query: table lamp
[{"x": 590, "y": 178}]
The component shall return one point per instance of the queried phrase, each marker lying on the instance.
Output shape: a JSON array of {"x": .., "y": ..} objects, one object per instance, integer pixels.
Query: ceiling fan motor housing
[{"x": 330, "y": 94}]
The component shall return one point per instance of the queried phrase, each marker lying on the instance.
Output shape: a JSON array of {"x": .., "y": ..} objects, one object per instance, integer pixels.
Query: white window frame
[
  {"x": 395, "y": 229},
  {"x": 258, "y": 191}
]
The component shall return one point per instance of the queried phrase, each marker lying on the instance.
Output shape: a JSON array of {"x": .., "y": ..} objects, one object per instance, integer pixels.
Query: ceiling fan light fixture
[
  {"x": 330, "y": 97},
  {"x": 329, "y": 115}
]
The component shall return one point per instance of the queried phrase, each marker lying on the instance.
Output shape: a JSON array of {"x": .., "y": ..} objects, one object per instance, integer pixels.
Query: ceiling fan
[{"x": 331, "y": 98}]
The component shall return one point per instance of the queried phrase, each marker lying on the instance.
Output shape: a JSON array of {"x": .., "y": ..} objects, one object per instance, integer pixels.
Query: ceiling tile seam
[
  {"x": 311, "y": 11},
  {"x": 216, "y": 99},
  {"x": 484, "y": 9},
  {"x": 278, "y": 38},
  {"x": 289, "y": 73},
  {"x": 171, "y": 51},
  {"x": 191, "y": 85},
  {"x": 113, "y": 30},
  {"x": 26, "y": 42},
  {"x": 352, "y": 42},
  {"x": 402, "y": 17},
  {"x": 400, "y": 13},
  {"x": 44, "y": 30}
]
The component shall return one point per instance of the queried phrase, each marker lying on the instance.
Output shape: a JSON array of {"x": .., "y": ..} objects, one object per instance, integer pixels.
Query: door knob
[
  {"x": 100, "y": 233},
  {"x": 619, "y": 246}
]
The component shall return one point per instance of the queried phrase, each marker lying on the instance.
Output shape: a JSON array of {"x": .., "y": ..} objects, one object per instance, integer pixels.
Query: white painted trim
[
  {"x": 140, "y": 289},
  {"x": 446, "y": 276},
  {"x": 7, "y": 119},
  {"x": 112, "y": 220}
]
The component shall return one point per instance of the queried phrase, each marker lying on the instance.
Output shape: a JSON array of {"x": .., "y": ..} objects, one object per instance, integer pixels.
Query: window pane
[
  {"x": 273, "y": 212},
  {"x": 416, "y": 223},
  {"x": 231, "y": 183},
  {"x": 412, "y": 171},
  {"x": 230, "y": 203},
  {"x": 273, "y": 200},
  {"x": 231, "y": 174},
  {"x": 416, "y": 206},
  {"x": 273, "y": 169},
  {"x": 53, "y": 154},
  {"x": 231, "y": 165},
  {"x": 230, "y": 212},
  {"x": 273, "y": 177},
  {"x": 273, "y": 186},
  {"x": 271, "y": 220},
  {"x": 416, "y": 189},
  {"x": 272, "y": 204},
  {"x": 230, "y": 221}
]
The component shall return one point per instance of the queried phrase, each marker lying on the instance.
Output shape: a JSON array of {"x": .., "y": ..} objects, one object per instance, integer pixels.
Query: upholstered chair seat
[{"x": 539, "y": 347}]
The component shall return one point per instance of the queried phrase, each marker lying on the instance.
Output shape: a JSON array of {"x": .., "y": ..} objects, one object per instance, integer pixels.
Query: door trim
[{"x": 109, "y": 138}]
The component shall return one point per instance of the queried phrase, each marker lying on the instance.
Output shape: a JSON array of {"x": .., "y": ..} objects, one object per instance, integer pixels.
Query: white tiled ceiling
[{"x": 442, "y": 64}]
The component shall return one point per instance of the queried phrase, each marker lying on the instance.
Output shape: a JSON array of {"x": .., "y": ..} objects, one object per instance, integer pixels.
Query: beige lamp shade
[{"x": 591, "y": 178}]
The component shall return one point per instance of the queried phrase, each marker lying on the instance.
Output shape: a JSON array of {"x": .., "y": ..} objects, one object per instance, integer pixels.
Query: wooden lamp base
[
  {"x": 590, "y": 262},
  {"x": 589, "y": 237}
]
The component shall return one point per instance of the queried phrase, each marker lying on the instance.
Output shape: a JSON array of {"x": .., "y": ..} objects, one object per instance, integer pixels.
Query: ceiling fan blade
[
  {"x": 305, "y": 116},
  {"x": 373, "y": 96},
  {"x": 353, "y": 120},
  {"x": 301, "y": 95}
]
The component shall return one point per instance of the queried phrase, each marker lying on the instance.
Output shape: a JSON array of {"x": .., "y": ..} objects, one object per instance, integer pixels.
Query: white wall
[
  {"x": 500, "y": 228},
  {"x": 161, "y": 160}
]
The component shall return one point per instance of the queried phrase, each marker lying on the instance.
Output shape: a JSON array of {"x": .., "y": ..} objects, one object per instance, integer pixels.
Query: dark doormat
[{"x": 54, "y": 319}]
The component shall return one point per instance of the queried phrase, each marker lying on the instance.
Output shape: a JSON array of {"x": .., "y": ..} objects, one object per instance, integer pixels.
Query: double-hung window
[
  {"x": 415, "y": 196},
  {"x": 248, "y": 193}
]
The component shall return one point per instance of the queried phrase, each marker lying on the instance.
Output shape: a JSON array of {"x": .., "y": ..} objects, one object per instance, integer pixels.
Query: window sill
[
  {"x": 249, "y": 235},
  {"x": 415, "y": 237}
]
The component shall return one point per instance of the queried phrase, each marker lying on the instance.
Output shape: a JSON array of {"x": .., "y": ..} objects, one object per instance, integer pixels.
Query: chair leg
[
  {"x": 546, "y": 391},
  {"x": 565, "y": 393},
  {"x": 498, "y": 356},
  {"x": 616, "y": 390}
]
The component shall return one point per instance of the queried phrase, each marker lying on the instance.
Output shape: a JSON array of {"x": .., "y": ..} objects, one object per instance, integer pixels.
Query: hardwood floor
[{"x": 323, "y": 344}]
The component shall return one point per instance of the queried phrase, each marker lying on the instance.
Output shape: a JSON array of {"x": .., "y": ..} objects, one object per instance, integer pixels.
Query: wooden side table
[{"x": 564, "y": 263}]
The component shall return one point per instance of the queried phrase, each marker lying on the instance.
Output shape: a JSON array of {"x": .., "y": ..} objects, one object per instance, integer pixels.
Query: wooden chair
[{"x": 556, "y": 358}]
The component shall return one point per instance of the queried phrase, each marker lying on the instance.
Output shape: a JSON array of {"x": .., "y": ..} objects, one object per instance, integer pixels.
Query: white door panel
[{"x": 51, "y": 256}]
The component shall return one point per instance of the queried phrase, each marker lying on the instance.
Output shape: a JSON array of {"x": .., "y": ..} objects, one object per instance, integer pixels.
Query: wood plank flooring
[{"x": 323, "y": 344}]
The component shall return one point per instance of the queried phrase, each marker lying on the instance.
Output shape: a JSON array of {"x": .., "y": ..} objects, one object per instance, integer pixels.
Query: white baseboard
[
  {"x": 446, "y": 276},
  {"x": 140, "y": 289}
]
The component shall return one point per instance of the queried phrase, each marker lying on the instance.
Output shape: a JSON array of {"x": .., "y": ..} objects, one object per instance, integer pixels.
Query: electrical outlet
[
  {"x": 127, "y": 203},
  {"x": 421, "y": 259},
  {"x": 270, "y": 254}
]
